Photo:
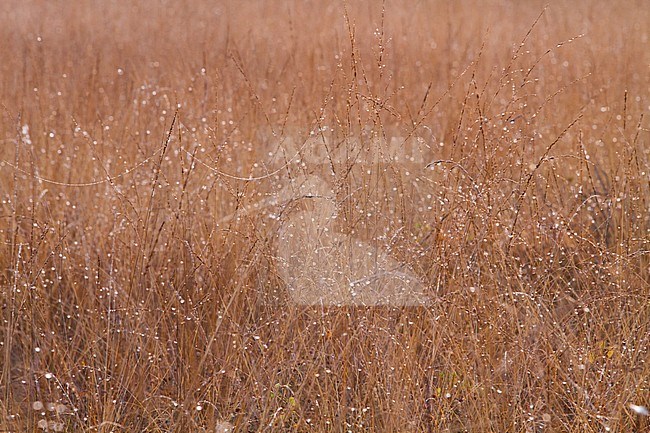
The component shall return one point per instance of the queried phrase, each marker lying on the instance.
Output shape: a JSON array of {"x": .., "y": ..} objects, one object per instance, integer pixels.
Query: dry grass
[{"x": 141, "y": 288}]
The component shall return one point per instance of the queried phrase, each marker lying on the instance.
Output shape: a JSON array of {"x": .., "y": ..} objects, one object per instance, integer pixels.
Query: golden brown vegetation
[{"x": 140, "y": 288}]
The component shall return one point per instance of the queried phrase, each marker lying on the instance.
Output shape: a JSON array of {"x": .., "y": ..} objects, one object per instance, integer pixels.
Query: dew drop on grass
[{"x": 640, "y": 410}]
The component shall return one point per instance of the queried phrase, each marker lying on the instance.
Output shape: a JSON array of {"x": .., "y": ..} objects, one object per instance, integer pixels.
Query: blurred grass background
[{"x": 139, "y": 291}]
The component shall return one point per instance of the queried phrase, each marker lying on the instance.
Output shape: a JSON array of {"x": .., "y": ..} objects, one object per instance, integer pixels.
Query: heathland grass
[{"x": 140, "y": 285}]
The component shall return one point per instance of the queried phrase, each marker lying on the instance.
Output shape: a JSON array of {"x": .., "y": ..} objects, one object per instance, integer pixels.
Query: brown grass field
[{"x": 142, "y": 287}]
